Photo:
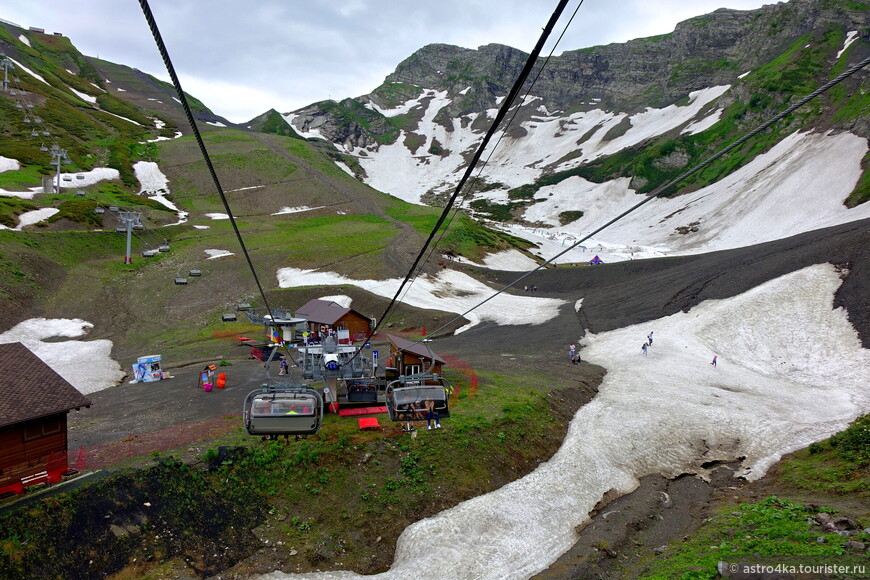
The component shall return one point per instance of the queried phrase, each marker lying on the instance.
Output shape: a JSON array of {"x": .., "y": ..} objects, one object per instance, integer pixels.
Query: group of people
[
  {"x": 647, "y": 344},
  {"x": 530, "y": 288},
  {"x": 649, "y": 340},
  {"x": 415, "y": 413}
]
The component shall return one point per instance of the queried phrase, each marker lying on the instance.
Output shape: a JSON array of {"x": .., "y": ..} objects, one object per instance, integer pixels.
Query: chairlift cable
[
  {"x": 167, "y": 61},
  {"x": 509, "y": 100},
  {"x": 508, "y": 124},
  {"x": 492, "y": 151},
  {"x": 502, "y": 113},
  {"x": 662, "y": 189}
]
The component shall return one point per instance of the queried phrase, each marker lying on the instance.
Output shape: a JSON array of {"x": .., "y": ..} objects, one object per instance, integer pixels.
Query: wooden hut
[
  {"x": 324, "y": 316},
  {"x": 410, "y": 358},
  {"x": 34, "y": 402}
]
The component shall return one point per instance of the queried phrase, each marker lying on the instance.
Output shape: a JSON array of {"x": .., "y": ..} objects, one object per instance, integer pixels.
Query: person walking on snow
[
  {"x": 714, "y": 360},
  {"x": 644, "y": 347},
  {"x": 649, "y": 338}
]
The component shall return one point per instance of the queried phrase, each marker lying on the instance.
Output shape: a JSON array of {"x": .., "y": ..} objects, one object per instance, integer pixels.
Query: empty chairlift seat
[
  {"x": 243, "y": 306},
  {"x": 228, "y": 317},
  {"x": 149, "y": 253},
  {"x": 163, "y": 247},
  {"x": 194, "y": 272},
  {"x": 179, "y": 281},
  {"x": 99, "y": 210}
]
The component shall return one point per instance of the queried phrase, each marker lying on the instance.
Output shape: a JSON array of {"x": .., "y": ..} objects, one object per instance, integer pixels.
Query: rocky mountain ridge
[{"x": 766, "y": 57}]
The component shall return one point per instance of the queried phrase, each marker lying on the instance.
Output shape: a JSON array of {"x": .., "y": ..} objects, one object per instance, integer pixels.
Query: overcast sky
[{"x": 242, "y": 58}]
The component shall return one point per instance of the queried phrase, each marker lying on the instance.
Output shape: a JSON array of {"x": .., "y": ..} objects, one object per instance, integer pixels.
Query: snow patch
[
  {"x": 213, "y": 254},
  {"x": 65, "y": 357}
]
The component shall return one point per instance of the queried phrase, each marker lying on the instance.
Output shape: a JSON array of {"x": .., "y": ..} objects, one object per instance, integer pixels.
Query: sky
[{"x": 244, "y": 58}]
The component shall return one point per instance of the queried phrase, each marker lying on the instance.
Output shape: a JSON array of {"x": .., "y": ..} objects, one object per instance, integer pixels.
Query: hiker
[
  {"x": 571, "y": 350},
  {"x": 649, "y": 338},
  {"x": 576, "y": 359},
  {"x": 714, "y": 360},
  {"x": 282, "y": 367},
  {"x": 431, "y": 413},
  {"x": 644, "y": 347}
]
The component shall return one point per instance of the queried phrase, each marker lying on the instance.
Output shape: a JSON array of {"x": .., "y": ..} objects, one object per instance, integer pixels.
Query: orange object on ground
[{"x": 368, "y": 423}]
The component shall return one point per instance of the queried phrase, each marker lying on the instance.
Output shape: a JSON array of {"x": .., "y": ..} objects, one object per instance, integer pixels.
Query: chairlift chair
[
  {"x": 99, "y": 210},
  {"x": 286, "y": 409},
  {"x": 138, "y": 227},
  {"x": 80, "y": 192},
  {"x": 194, "y": 272},
  {"x": 412, "y": 391},
  {"x": 113, "y": 208},
  {"x": 80, "y": 176},
  {"x": 228, "y": 317},
  {"x": 180, "y": 281},
  {"x": 163, "y": 247},
  {"x": 122, "y": 229},
  {"x": 243, "y": 306},
  {"x": 149, "y": 253}
]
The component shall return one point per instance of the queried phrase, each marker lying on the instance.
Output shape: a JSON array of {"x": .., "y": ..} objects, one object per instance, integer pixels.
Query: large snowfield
[{"x": 790, "y": 371}]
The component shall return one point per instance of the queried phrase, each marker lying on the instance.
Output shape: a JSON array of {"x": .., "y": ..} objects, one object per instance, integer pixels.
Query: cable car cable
[
  {"x": 508, "y": 124},
  {"x": 658, "y": 192},
  {"x": 167, "y": 61},
  {"x": 502, "y": 113}
]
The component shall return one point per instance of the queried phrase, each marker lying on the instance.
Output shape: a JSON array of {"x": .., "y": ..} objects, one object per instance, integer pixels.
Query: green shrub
[{"x": 853, "y": 444}]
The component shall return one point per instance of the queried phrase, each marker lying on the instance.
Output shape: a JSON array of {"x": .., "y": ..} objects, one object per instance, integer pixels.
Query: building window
[{"x": 42, "y": 428}]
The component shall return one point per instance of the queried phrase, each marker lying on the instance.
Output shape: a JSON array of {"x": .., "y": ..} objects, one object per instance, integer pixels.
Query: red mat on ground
[
  {"x": 368, "y": 423},
  {"x": 362, "y": 411}
]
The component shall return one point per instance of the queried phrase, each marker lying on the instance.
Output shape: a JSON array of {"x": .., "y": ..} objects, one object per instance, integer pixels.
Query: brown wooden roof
[
  {"x": 30, "y": 389},
  {"x": 322, "y": 311},
  {"x": 415, "y": 348}
]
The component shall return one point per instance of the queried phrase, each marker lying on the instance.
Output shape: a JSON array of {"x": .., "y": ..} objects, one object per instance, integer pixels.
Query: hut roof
[{"x": 30, "y": 389}]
